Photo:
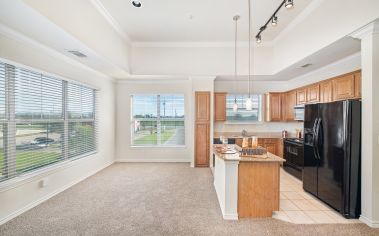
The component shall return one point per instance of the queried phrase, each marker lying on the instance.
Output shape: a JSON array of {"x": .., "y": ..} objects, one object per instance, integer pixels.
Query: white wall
[
  {"x": 126, "y": 88},
  {"x": 23, "y": 194}
]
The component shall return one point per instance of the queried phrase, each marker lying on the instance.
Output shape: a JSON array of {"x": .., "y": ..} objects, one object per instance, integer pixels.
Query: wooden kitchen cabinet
[
  {"x": 202, "y": 128},
  {"x": 358, "y": 85},
  {"x": 301, "y": 96},
  {"x": 288, "y": 106},
  {"x": 343, "y": 87},
  {"x": 220, "y": 106},
  {"x": 326, "y": 91},
  {"x": 273, "y": 107},
  {"x": 313, "y": 93},
  {"x": 280, "y": 148}
]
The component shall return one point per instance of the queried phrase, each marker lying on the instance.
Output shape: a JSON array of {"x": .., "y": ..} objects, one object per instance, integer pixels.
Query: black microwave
[{"x": 299, "y": 112}]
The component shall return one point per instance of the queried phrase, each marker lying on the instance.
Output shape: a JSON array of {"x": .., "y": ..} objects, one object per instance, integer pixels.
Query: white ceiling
[{"x": 212, "y": 20}]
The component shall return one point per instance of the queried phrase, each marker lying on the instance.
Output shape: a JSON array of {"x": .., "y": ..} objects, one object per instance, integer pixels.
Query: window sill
[
  {"x": 244, "y": 123},
  {"x": 37, "y": 174}
]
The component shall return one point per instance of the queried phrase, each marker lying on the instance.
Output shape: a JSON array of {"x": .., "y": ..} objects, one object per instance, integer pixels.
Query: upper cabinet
[
  {"x": 301, "y": 96},
  {"x": 343, "y": 87},
  {"x": 220, "y": 106},
  {"x": 274, "y": 107},
  {"x": 202, "y": 110},
  {"x": 357, "y": 85},
  {"x": 313, "y": 93},
  {"x": 288, "y": 105},
  {"x": 326, "y": 91}
]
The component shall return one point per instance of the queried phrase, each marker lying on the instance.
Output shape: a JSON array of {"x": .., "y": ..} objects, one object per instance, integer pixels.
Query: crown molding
[
  {"x": 369, "y": 29},
  {"x": 19, "y": 37},
  {"x": 109, "y": 18}
]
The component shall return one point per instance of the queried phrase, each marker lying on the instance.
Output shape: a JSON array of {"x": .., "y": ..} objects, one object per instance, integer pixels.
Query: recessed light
[{"x": 136, "y": 3}]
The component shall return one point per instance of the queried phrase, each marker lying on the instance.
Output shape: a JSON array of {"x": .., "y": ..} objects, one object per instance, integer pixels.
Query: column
[{"x": 369, "y": 36}]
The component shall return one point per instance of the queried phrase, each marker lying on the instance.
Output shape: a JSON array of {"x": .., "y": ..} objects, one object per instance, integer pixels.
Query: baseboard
[
  {"x": 50, "y": 195},
  {"x": 153, "y": 160},
  {"x": 367, "y": 221}
]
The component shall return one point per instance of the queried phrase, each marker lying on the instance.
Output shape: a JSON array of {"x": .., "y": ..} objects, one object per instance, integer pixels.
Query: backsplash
[{"x": 261, "y": 127}]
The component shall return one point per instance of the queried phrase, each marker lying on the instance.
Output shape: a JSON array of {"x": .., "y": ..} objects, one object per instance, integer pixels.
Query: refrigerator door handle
[
  {"x": 318, "y": 138},
  {"x": 315, "y": 138}
]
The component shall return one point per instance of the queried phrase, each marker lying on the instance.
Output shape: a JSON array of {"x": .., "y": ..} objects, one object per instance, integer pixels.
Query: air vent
[
  {"x": 306, "y": 65},
  {"x": 77, "y": 53}
]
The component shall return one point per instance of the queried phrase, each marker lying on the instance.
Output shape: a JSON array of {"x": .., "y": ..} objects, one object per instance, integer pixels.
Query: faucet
[{"x": 244, "y": 133}]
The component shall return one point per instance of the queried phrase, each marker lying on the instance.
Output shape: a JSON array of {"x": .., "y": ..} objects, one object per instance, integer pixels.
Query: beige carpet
[{"x": 151, "y": 199}]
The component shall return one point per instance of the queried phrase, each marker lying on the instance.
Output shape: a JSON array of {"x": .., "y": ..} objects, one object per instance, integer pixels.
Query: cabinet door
[
  {"x": 313, "y": 93},
  {"x": 358, "y": 85},
  {"x": 301, "y": 96},
  {"x": 239, "y": 142},
  {"x": 202, "y": 106},
  {"x": 271, "y": 147},
  {"x": 290, "y": 103},
  {"x": 274, "y": 107},
  {"x": 202, "y": 145},
  {"x": 220, "y": 106},
  {"x": 343, "y": 87},
  {"x": 326, "y": 91},
  {"x": 280, "y": 149}
]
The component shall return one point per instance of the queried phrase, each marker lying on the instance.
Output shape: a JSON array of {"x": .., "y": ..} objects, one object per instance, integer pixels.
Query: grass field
[
  {"x": 152, "y": 138},
  {"x": 39, "y": 159}
]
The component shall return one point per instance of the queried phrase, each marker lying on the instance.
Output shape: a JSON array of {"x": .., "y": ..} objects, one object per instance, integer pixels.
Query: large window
[
  {"x": 255, "y": 115},
  {"x": 158, "y": 120},
  {"x": 43, "y": 120}
]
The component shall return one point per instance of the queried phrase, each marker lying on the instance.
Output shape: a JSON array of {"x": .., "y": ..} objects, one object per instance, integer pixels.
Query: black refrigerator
[{"x": 332, "y": 147}]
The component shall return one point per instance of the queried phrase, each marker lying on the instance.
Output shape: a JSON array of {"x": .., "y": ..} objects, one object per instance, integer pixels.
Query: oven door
[{"x": 293, "y": 153}]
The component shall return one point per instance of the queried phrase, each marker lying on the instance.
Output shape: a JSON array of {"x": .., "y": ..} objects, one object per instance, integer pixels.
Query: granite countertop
[
  {"x": 235, "y": 157},
  {"x": 239, "y": 135}
]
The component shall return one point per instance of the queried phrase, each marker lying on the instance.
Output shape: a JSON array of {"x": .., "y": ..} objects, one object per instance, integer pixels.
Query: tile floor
[{"x": 300, "y": 207}]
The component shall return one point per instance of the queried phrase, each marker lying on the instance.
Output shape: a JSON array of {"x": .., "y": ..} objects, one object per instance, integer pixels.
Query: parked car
[{"x": 42, "y": 141}]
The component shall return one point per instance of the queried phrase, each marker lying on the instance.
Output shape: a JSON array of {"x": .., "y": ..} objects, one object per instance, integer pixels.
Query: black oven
[{"x": 294, "y": 155}]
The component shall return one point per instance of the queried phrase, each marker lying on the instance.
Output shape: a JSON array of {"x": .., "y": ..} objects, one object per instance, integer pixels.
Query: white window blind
[
  {"x": 36, "y": 130},
  {"x": 158, "y": 120}
]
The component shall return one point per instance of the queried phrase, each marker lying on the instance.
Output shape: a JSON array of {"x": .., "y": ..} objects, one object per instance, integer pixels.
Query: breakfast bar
[{"x": 246, "y": 187}]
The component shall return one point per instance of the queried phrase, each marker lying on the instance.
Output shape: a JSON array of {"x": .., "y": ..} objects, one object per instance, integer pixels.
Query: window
[
  {"x": 43, "y": 120},
  {"x": 158, "y": 120},
  {"x": 242, "y": 115}
]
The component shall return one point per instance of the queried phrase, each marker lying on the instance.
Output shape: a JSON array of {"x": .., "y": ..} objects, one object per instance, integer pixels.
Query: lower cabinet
[{"x": 202, "y": 145}]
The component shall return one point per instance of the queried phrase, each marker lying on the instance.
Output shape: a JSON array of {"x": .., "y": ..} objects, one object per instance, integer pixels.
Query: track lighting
[
  {"x": 136, "y": 3},
  {"x": 258, "y": 39},
  {"x": 274, "y": 21},
  {"x": 288, "y": 4}
]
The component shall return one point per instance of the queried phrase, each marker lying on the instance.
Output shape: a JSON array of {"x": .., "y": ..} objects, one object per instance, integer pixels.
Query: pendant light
[
  {"x": 249, "y": 102},
  {"x": 235, "y": 18}
]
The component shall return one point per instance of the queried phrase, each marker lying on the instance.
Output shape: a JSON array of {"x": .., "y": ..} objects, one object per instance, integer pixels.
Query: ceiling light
[
  {"x": 136, "y": 3},
  {"x": 258, "y": 39},
  {"x": 288, "y": 4},
  {"x": 274, "y": 21}
]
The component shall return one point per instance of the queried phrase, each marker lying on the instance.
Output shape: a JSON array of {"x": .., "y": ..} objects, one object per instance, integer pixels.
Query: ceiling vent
[
  {"x": 306, "y": 65},
  {"x": 77, "y": 53}
]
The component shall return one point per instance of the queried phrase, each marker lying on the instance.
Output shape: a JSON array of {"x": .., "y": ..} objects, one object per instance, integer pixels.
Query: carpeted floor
[{"x": 151, "y": 199}]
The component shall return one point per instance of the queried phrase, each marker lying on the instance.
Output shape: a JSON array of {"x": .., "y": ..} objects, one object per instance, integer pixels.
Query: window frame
[
  {"x": 11, "y": 179},
  {"x": 132, "y": 120},
  {"x": 261, "y": 110}
]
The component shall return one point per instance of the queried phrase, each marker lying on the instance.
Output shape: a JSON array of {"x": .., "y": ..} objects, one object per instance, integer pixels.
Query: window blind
[{"x": 36, "y": 127}]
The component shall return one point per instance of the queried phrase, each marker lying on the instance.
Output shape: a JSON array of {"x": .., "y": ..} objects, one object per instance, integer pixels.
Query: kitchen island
[{"x": 246, "y": 186}]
